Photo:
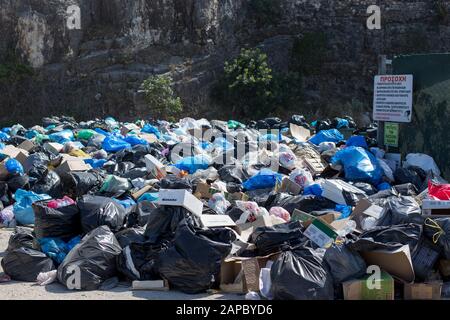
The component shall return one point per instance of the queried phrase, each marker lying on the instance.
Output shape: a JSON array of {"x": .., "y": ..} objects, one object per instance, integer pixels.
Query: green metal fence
[{"x": 429, "y": 132}]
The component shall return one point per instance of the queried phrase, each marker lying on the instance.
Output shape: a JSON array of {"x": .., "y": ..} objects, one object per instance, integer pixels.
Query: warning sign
[
  {"x": 393, "y": 97},
  {"x": 391, "y": 134}
]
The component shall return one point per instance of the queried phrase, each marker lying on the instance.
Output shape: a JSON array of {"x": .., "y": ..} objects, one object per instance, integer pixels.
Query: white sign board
[{"x": 393, "y": 97}]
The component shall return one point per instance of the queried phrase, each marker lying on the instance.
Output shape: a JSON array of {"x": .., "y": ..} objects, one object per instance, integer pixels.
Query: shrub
[{"x": 160, "y": 96}]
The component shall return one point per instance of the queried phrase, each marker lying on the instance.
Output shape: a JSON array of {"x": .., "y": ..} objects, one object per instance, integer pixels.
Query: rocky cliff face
[{"x": 97, "y": 70}]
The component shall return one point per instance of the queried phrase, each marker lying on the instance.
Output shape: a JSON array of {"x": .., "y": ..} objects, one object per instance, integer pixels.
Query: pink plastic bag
[
  {"x": 59, "y": 203},
  {"x": 438, "y": 191},
  {"x": 281, "y": 213}
]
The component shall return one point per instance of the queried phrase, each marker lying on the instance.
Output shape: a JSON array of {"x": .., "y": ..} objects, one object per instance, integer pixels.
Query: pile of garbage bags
[{"x": 271, "y": 209}]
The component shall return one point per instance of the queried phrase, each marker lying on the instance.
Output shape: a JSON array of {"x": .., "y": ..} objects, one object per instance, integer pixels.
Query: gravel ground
[{"x": 29, "y": 291}]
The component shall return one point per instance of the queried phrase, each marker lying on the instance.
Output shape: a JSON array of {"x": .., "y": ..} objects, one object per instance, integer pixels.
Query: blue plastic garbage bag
[
  {"x": 223, "y": 143},
  {"x": 359, "y": 165},
  {"x": 126, "y": 203},
  {"x": 6, "y": 130},
  {"x": 4, "y": 136},
  {"x": 148, "y": 128},
  {"x": 23, "y": 211},
  {"x": 149, "y": 196},
  {"x": 102, "y": 132},
  {"x": 332, "y": 135},
  {"x": 357, "y": 141},
  {"x": 384, "y": 186},
  {"x": 135, "y": 140},
  {"x": 342, "y": 123},
  {"x": 345, "y": 210},
  {"x": 270, "y": 137},
  {"x": 30, "y": 134},
  {"x": 57, "y": 249},
  {"x": 192, "y": 164},
  {"x": 14, "y": 167},
  {"x": 95, "y": 163},
  {"x": 62, "y": 136},
  {"x": 114, "y": 144},
  {"x": 264, "y": 179},
  {"x": 313, "y": 189},
  {"x": 2, "y": 146}
]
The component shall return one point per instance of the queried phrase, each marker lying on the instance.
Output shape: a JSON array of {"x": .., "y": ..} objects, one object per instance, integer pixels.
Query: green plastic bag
[
  {"x": 85, "y": 134},
  {"x": 232, "y": 124}
]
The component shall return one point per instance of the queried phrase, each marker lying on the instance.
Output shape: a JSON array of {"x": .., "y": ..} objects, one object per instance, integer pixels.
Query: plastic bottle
[{"x": 350, "y": 225}]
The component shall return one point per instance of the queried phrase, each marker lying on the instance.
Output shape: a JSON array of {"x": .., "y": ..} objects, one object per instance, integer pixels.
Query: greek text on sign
[{"x": 393, "y": 96}]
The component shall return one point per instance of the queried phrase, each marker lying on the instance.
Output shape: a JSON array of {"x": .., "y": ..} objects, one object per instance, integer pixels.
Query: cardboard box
[
  {"x": 53, "y": 147},
  {"x": 314, "y": 165},
  {"x": 321, "y": 233},
  {"x": 73, "y": 166},
  {"x": 435, "y": 207},
  {"x": 15, "y": 153},
  {"x": 155, "y": 167},
  {"x": 359, "y": 290},
  {"x": 290, "y": 186},
  {"x": 217, "y": 220},
  {"x": 423, "y": 291},
  {"x": 246, "y": 229},
  {"x": 252, "y": 269},
  {"x": 181, "y": 198},
  {"x": 27, "y": 145},
  {"x": 232, "y": 278},
  {"x": 365, "y": 208},
  {"x": 398, "y": 263},
  {"x": 444, "y": 267},
  {"x": 151, "y": 285},
  {"x": 332, "y": 190},
  {"x": 306, "y": 219},
  {"x": 205, "y": 191}
]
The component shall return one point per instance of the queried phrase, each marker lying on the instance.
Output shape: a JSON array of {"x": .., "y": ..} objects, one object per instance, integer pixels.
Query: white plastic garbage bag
[{"x": 422, "y": 161}]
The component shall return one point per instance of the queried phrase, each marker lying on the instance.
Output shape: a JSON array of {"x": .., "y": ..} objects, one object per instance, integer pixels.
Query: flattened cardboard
[
  {"x": 252, "y": 269},
  {"x": 321, "y": 233},
  {"x": 15, "y": 153},
  {"x": 287, "y": 185},
  {"x": 217, "y": 220},
  {"x": 306, "y": 219},
  {"x": 332, "y": 190},
  {"x": 398, "y": 263},
  {"x": 53, "y": 147},
  {"x": 181, "y": 198},
  {"x": 264, "y": 221},
  {"x": 73, "y": 166},
  {"x": 423, "y": 291},
  {"x": 205, "y": 191},
  {"x": 27, "y": 145}
]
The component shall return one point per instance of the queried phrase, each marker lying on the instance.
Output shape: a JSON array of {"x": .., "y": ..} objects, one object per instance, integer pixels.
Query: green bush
[
  {"x": 160, "y": 96},
  {"x": 12, "y": 70}
]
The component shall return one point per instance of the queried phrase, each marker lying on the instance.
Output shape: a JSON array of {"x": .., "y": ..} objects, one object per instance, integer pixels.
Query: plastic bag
[
  {"x": 192, "y": 164},
  {"x": 422, "y": 161},
  {"x": 7, "y": 217},
  {"x": 135, "y": 140},
  {"x": 21, "y": 237},
  {"x": 57, "y": 249},
  {"x": 332, "y": 135},
  {"x": 403, "y": 176},
  {"x": 438, "y": 231},
  {"x": 77, "y": 184},
  {"x": 232, "y": 173},
  {"x": 115, "y": 185},
  {"x": 25, "y": 264},
  {"x": 131, "y": 235},
  {"x": 62, "y": 136},
  {"x": 357, "y": 141},
  {"x": 271, "y": 239},
  {"x": 251, "y": 211},
  {"x": 359, "y": 165},
  {"x": 172, "y": 182},
  {"x": 302, "y": 177},
  {"x": 114, "y": 144},
  {"x": 148, "y": 128},
  {"x": 194, "y": 271},
  {"x": 96, "y": 211},
  {"x": 23, "y": 210},
  {"x": 94, "y": 258},
  {"x": 301, "y": 274},
  {"x": 218, "y": 203},
  {"x": 345, "y": 264},
  {"x": 325, "y": 146},
  {"x": 264, "y": 179},
  {"x": 14, "y": 167},
  {"x": 287, "y": 160},
  {"x": 400, "y": 210},
  {"x": 438, "y": 191},
  {"x": 85, "y": 134},
  {"x": 281, "y": 213},
  {"x": 163, "y": 222},
  {"x": 61, "y": 223},
  {"x": 49, "y": 183}
]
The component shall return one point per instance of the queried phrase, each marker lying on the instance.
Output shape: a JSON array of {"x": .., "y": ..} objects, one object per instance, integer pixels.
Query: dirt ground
[{"x": 29, "y": 291}]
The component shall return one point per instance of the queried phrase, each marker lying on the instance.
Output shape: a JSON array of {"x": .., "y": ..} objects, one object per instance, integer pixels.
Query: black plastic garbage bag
[
  {"x": 437, "y": 230},
  {"x": 400, "y": 210},
  {"x": 139, "y": 261},
  {"x": 24, "y": 264},
  {"x": 135, "y": 173},
  {"x": 403, "y": 175},
  {"x": 301, "y": 274},
  {"x": 163, "y": 223},
  {"x": 93, "y": 259},
  {"x": 345, "y": 264},
  {"x": 406, "y": 189},
  {"x": 21, "y": 237},
  {"x": 175, "y": 183},
  {"x": 130, "y": 235},
  {"x": 271, "y": 239},
  {"x": 34, "y": 160},
  {"x": 232, "y": 173},
  {"x": 77, "y": 184},
  {"x": 192, "y": 263},
  {"x": 97, "y": 211},
  {"x": 16, "y": 182},
  {"x": 366, "y": 187},
  {"x": 306, "y": 204},
  {"x": 61, "y": 223},
  {"x": 49, "y": 183},
  {"x": 139, "y": 214}
]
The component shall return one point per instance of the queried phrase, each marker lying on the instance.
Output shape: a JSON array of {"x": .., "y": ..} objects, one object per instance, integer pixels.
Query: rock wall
[{"x": 97, "y": 70}]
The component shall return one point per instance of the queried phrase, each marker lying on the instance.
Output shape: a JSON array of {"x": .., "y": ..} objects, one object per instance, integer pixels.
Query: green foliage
[
  {"x": 309, "y": 53},
  {"x": 160, "y": 96},
  {"x": 12, "y": 70},
  {"x": 265, "y": 12},
  {"x": 250, "y": 89},
  {"x": 442, "y": 11}
]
